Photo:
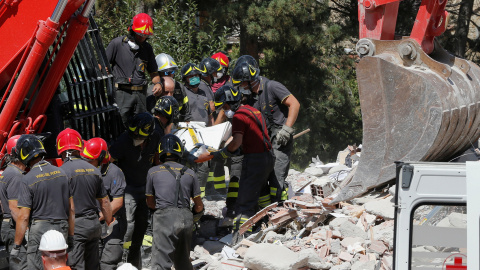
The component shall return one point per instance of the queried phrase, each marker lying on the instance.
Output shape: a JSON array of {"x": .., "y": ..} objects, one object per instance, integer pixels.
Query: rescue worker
[
  {"x": 45, "y": 199},
  {"x": 164, "y": 112},
  {"x": 167, "y": 67},
  {"x": 10, "y": 181},
  {"x": 280, "y": 109},
  {"x": 249, "y": 132},
  {"x": 130, "y": 57},
  {"x": 167, "y": 89},
  {"x": 216, "y": 186},
  {"x": 54, "y": 251},
  {"x": 224, "y": 61},
  {"x": 96, "y": 153},
  {"x": 135, "y": 153},
  {"x": 211, "y": 72},
  {"x": 87, "y": 188},
  {"x": 200, "y": 111},
  {"x": 170, "y": 187}
]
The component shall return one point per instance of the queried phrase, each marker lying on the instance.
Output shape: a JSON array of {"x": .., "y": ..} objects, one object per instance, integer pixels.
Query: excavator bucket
[{"x": 415, "y": 107}]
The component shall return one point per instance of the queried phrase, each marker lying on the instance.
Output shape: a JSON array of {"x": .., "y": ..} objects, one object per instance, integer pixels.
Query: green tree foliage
[
  {"x": 176, "y": 30},
  {"x": 303, "y": 49}
]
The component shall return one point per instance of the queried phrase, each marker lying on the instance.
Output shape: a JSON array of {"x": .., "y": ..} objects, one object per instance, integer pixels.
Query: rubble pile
[{"x": 306, "y": 232}]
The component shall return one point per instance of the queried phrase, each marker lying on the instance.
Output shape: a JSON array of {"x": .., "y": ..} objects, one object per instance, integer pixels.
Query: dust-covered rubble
[{"x": 306, "y": 232}]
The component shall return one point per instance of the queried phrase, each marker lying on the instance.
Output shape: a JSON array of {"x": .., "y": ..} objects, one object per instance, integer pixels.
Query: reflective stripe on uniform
[
  {"x": 264, "y": 201},
  {"x": 219, "y": 186},
  {"x": 284, "y": 196},
  {"x": 202, "y": 190},
  {"x": 210, "y": 177},
  {"x": 147, "y": 240},
  {"x": 127, "y": 245},
  {"x": 233, "y": 185},
  {"x": 273, "y": 191},
  {"x": 219, "y": 182},
  {"x": 232, "y": 195},
  {"x": 238, "y": 222}
]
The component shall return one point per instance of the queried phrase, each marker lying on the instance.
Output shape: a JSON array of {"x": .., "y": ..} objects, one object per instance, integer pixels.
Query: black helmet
[
  {"x": 248, "y": 59},
  {"x": 244, "y": 72},
  {"x": 170, "y": 145},
  {"x": 189, "y": 69},
  {"x": 208, "y": 66},
  {"x": 29, "y": 147},
  {"x": 229, "y": 95},
  {"x": 141, "y": 126},
  {"x": 168, "y": 107}
]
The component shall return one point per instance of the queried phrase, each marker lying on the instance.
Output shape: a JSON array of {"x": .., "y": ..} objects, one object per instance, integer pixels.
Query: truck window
[{"x": 439, "y": 237}]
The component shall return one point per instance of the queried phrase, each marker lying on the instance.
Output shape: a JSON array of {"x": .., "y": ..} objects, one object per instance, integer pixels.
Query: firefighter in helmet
[
  {"x": 9, "y": 191},
  {"x": 170, "y": 187},
  {"x": 96, "y": 153},
  {"x": 87, "y": 188},
  {"x": 131, "y": 57},
  {"x": 135, "y": 153},
  {"x": 250, "y": 132},
  {"x": 280, "y": 109},
  {"x": 45, "y": 201}
]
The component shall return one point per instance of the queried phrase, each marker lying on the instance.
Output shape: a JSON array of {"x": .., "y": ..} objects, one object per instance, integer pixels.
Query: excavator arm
[
  {"x": 419, "y": 102},
  {"x": 52, "y": 57}
]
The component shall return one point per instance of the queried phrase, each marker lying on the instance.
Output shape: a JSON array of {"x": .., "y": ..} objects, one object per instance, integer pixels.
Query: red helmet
[
  {"x": 96, "y": 148},
  {"x": 69, "y": 139},
  {"x": 142, "y": 24},
  {"x": 11, "y": 144},
  {"x": 221, "y": 58}
]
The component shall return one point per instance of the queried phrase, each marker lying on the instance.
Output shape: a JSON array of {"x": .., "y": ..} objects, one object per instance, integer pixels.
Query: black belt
[{"x": 130, "y": 87}]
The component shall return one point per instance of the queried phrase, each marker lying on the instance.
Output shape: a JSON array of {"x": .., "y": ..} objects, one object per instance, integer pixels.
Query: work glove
[
  {"x": 108, "y": 228},
  {"x": 15, "y": 253},
  {"x": 197, "y": 216},
  {"x": 191, "y": 159},
  {"x": 284, "y": 135},
  {"x": 223, "y": 154},
  {"x": 70, "y": 243}
]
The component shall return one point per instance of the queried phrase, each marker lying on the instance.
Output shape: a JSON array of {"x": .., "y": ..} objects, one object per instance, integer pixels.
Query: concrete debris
[
  {"x": 306, "y": 232},
  {"x": 314, "y": 171},
  {"x": 456, "y": 220},
  {"x": 269, "y": 256},
  {"x": 384, "y": 208},
  {"x": 370, "y": 265}
]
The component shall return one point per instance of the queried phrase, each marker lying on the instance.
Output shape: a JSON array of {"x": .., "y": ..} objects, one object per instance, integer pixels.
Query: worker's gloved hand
[
  {"x": 70, "y": 243},
  {"x": 15, "y": 253},
  {"x": 191, "y": 159},
  {"x": 284, "y": 135},
  {"x": 197, "y": 216},
  {"x": 109, "y": 228},
  {"x": 223, "y": 154}
]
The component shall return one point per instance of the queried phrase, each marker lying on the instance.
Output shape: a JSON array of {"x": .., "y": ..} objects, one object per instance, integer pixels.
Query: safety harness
[
  {"x": 178, "y": 190},
  {"x": 265, "y": 141}
]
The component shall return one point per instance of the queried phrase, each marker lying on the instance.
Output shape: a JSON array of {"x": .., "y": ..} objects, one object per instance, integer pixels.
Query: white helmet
[
  {"x": 165, "y": 62},
  {"x": 52, "y": 240}
]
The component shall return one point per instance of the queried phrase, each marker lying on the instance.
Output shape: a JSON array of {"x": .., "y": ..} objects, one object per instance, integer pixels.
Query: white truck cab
[{"x": 434, "y": 202}]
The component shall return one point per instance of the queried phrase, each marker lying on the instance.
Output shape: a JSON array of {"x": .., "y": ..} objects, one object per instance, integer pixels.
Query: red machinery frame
[
  {"x": 29, "y": 55},
  {"x": 378, "y": 18}
]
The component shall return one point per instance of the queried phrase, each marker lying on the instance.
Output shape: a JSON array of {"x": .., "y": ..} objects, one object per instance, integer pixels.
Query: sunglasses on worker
[{"x": 169, "y": 72}]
